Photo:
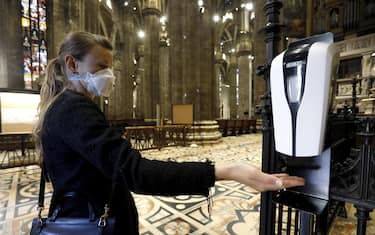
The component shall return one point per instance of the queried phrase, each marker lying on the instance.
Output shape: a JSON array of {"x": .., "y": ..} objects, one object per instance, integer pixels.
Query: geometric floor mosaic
[{"x": 235, "y": 206}]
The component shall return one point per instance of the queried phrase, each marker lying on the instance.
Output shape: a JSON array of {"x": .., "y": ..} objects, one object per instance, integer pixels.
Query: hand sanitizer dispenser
[
  {"x": 300, "y": 79},
  {"x": 300, "y": 87}
]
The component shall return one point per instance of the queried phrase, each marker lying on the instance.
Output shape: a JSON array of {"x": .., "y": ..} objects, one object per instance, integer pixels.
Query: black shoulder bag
[{"x": 55, "y": 225}]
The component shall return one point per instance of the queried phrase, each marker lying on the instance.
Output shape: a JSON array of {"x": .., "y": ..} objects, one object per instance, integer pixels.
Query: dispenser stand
[{"x": 272, "y": 38}]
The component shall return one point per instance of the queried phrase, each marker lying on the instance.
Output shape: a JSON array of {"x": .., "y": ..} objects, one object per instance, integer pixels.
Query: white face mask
[{"x": 99, "y": 83}]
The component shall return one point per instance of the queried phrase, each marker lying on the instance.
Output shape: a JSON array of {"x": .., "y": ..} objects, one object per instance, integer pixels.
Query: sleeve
[{"x": 82, "y": 126}]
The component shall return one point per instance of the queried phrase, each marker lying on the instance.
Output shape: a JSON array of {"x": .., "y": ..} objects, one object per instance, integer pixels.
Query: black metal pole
[
  {"x": 307, "y": 224},
  {"x": 362, "y": 215},
  {"x": 272, "y": 39},
  {"x": 367, "y": 134}
]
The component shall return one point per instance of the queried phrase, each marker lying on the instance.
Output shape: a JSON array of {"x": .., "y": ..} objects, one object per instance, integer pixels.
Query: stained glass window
[{"x": 34, "y": 32}]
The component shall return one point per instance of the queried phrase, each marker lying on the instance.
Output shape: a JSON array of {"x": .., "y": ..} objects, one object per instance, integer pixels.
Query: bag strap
[{"x": 42, "y": 186}]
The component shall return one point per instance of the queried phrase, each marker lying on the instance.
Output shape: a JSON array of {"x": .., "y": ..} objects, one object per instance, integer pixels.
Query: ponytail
[{"x": 54, "y": 84}]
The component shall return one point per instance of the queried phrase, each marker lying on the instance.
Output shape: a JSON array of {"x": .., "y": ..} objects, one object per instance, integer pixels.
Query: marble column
[
  {"x": 232, "y": 77},
  {"x": 176, "y": 50},
  {"x": 191, "y": 56},
  {"x": 222, "y": 89},
  {"x": 61, "y": 19},
  {"x": 68, "y": 16},
  {"x": 244, "y": 50},
  {"x": 11, "y": 60},
  {"x": 165, "y": 89},
  {"x": 225, "y": 96},
  {"x": 259, "y": 50},
  {"x": 91, "y": 24},
  {"x": 150, "y": 85},
  {"x": 205, "y": 58},
  {"x": 245, "y": 85},
  {"x": 217, "y": 101},
  {"x": 142, "y": 84},
  {"x": 121, "y": 99}
]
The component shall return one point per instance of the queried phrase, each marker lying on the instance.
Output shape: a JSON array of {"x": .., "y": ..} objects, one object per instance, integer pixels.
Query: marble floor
[{"x": 235, "y": 206}]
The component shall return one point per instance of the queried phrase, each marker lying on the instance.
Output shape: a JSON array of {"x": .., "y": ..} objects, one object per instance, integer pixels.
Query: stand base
[
  {"x": 312, "y": 199},
  {"x": 311, "y": 205}
]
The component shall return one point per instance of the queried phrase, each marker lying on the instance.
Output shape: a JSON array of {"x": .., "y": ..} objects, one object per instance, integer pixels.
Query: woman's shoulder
[
  {"x": 72, "y": 104},
  {"x": 70, "y": 95},
  {"x": 70, "y": 98}
]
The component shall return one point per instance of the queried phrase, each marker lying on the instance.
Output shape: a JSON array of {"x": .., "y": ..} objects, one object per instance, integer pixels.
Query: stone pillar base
[{"x": 203, "y": 132}]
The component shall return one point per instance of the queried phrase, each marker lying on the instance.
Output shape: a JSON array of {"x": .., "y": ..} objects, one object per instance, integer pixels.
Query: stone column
[
  {"x": 142, "y": 84},
  {"x": 121, "y": 99},
  {"x": 91, "y": 24},
  {"x": 259, "y": 50},
  {"x": 191, "y": 56},
  {"x": 217, "y": 103},
  {"x": 244, "y": 48},
  {"x": 204, "y": 58},
  {"x": 68, "y": 16},
  {"x": 245, "y": 87},
  {"x": 11, "y": 59},
  {"x": 222, "y": 89},
  {"x": 225, "y": 94},
  {"x": 232, "y": 79},
  {"x": 165, "y": 83},
  {"x": 176, "y": 50},
  {"x": 192, "y": 62},
  {"x": 150, "y": 86},
  {"x": 55, "y": 10}
]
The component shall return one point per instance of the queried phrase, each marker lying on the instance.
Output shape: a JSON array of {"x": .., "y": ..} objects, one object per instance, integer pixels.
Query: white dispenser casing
[{"x": 310, "y": 95}]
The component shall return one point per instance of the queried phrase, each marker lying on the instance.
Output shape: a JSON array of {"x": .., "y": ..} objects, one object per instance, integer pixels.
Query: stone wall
[{"x": 362, "y": 48}]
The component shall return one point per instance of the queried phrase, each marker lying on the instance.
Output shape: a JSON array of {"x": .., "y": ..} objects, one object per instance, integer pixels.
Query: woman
[{"x": 81, "y": 152}]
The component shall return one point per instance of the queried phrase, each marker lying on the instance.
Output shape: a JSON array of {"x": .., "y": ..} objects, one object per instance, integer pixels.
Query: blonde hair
[{"x": 78, "y": 45}]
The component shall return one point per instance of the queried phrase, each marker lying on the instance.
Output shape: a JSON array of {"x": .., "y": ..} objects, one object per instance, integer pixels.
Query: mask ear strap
[{"x": 75, "y": 77}]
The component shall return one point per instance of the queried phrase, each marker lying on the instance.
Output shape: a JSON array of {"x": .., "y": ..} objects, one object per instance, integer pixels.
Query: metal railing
[
  {"x": 17, "y": 149},
  {"x": 156, "y": 137},
  {"x": 237, "y": 126}
]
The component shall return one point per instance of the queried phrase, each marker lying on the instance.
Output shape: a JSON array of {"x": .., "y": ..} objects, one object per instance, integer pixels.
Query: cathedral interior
[{"x": 188, "y": 88}]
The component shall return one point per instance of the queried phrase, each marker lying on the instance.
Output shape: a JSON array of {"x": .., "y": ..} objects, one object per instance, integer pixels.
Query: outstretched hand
[{"x": 255, "y": 178}]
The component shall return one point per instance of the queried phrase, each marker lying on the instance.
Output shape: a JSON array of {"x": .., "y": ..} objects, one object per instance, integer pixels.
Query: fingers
[
  {"x": 292, "y": 181},
  {"x": 280, "y": 174},
  {"x": 280, "y": 181},
  {"x": 268, "y": 179},
  {"x": 270, "y": 183},
  {"x": 265, "y": 182}
]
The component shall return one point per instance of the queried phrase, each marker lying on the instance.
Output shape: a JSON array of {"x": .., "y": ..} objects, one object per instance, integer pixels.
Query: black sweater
[{"x": 81, "y": 153}]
